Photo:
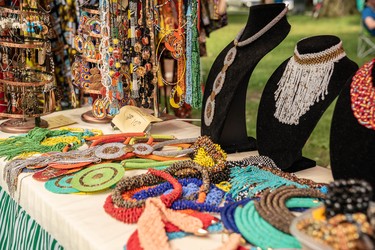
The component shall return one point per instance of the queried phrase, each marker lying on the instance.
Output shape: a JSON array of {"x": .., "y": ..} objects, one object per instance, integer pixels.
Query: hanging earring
[
  {"x": 89, "y": 49},
  {"x": 79, "y": 43},
  {"x": 41, "y": 56}
]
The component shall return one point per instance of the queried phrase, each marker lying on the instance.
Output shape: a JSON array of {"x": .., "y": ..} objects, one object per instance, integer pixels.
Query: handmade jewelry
[
  {"x": 209, "y": 110},
  {"x": 272, "y": 205},
  {"x": 183, "y": 169},
  {"x": 305, "y": 82},
  {"x": 227, "y": 214},
  {"x": 267, "y": 164},
  {"x": 13, "y": 169},
  {"x": 342, "y": 231},
  {"x": 33, "y": 142},
  {"x": 98, "y": 177},
  {"x": 160, "y": 145},
  {"x": 159, "y": 219},
  {"x": 129, "y": 183},
  {"x": 209, "y": 154},
  {"x": 116, "y": 205},
  {"x": 258, "y": 160},
  {"x": 190, "y": 187},
  {"x": 142, "y": 149},
  {"x": 50, "y": 173},
  {"x": 61, "y": 185},
  {"x": 54, "y": 159},
  {"x": 139, "y": 163},
  {"x": 193, "y": 90},
  {"x": 257, "y": 231},
  {"x": 213, "y": 228},
  {"x": 130, "y": 211},
  {"x": 112, "y": 150},
  {"x": 362, "y": 96},
  {"x": 348, "y": 196},
  {"x": 79, "y": 43},
  {"x": 254, "y": 181}
]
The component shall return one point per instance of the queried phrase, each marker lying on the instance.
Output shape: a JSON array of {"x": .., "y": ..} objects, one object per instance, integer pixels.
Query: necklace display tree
[
  {"x": 115, "y": 61},
  {"x": 86, "y": 70},
  {"x": 296, "y": 96},
  {"x": 223, "y": 116},
  {"x": 27, "y": 66}
]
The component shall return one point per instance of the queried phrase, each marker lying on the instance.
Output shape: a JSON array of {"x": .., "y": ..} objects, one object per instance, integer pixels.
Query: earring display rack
[{"x": 27, "y": 66}]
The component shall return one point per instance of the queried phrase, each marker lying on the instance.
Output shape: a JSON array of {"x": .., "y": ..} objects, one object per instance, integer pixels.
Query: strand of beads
[
  {"x": 272, "y": 205},
  {"x": 131, "y": 210},
  {"x": 190, "y": 188},
  {"x": 342, "y": 223},
  {"x": 209, "y": 154},
  {"x": 257, "y": 231}
]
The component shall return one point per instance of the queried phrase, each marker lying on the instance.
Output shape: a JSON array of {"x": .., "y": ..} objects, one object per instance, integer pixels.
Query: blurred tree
[{"x": 336, "y": 8}]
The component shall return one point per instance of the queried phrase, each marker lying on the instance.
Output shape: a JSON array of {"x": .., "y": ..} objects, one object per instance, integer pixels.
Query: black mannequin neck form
[
  {"x": 228, "y": 127},
  {"x": 284, "y": 142}
]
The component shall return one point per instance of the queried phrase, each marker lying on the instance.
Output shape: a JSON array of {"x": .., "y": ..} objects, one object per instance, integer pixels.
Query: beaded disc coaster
[
  {"x": 98, "y": 177},
  {"x": 61, "y": 185},
  {"x": 112, "y": 150},
  {"x": 49, "y": 173}
]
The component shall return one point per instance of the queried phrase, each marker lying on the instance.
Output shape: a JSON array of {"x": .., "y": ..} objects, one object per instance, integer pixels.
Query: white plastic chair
[{"x": 366, "y": 43}]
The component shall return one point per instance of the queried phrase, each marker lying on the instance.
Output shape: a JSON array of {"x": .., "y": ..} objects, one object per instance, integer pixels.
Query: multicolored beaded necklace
[
  {"x": 362, "y": 93},
  {"x": 190, "y": 190}
]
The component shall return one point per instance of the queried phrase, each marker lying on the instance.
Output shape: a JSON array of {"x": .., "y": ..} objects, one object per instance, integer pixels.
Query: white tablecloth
[{"x": 80, "y": 222}]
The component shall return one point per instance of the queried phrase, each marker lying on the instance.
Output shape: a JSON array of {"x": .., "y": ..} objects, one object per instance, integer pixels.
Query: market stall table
[{"x": 78, "y": 221}]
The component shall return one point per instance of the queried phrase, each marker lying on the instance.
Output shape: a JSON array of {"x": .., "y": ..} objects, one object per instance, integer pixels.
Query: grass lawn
[{"x": 346, "y": 28}]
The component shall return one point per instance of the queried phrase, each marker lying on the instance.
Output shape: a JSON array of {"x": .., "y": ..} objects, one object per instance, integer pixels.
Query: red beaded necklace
[
  {"x": 131, "y": 215},
  {"x": 362, "y": 92}
]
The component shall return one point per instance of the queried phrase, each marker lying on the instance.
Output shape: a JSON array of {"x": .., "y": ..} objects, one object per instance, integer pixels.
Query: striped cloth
[{"x": 18, "y": 231}]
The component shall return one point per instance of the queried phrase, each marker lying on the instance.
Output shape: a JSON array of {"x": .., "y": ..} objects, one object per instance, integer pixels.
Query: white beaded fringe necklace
[{"x": 305, "y": 82}]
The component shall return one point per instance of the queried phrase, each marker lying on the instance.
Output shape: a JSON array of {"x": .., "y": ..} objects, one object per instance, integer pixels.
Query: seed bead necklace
[
  {"x": 362, "y": 94},
  {"x": 272, "y": 205},
  {"x": 209, "y": 109},
  {"x": 257, "y": 231},
  {"x": 305, "y": 82}
]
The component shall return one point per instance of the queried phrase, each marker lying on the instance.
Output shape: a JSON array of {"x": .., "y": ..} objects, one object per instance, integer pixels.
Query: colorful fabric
[{"x": 19, "y": 231}]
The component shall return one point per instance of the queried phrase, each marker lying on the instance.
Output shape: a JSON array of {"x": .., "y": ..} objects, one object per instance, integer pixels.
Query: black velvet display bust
[
  {"x": 228, "y": 127},
  {"x": 352, "y": 145},
  {"x": 281, "y": 142}
]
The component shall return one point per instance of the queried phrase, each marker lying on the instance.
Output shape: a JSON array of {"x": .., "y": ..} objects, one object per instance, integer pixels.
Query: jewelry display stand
[
  {"x": 352, "y": 147},
  {"x": 289, "y": 110},
  {"x": 223, "y": 115},
  {"x": 115, "y": 42},
  {"x": 85, "y": 69},
  {"x": 27, "y": 66}
]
